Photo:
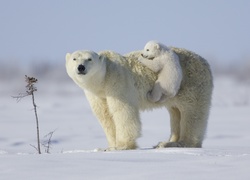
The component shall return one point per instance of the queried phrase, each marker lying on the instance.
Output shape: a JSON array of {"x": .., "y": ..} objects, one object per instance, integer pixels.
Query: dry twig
[{"x": 30, "y": 89}]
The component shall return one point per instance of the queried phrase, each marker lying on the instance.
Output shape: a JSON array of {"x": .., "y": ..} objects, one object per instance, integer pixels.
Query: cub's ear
[
  {"x": 67, "y": 57},
  {"x": 157, "y": 46}
]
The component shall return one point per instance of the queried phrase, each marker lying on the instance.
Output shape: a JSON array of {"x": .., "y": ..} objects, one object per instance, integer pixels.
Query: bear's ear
[
  {"x": 157, "y": 46},
  {"x": 101, "y": 57},
  {"x": 67, "y": 57}
]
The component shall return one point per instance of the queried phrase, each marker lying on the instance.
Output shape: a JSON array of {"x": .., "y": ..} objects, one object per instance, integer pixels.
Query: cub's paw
[
  {"x": 150, "y": 97},
  {"x": 141, "y": 59},
  {"x": 163, "y": 99}
]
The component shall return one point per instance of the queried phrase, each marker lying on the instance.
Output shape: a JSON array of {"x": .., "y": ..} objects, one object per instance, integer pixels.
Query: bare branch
[
  {"x": 34, "y": 147},
  {"x": 47, "y": 145},
  {"x": 20, "y": 96},
  {"x": 30, "y": 89}
]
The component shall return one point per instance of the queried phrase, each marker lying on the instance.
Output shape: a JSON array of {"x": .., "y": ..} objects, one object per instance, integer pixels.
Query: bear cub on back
[{"x": 163, "y": 61}]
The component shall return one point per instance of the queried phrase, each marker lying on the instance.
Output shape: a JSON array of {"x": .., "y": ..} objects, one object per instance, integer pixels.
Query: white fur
[
  {"x": 163, "y": 61},
  {"x": 116, "y": 87},
  {"x": 95, "y": 70}
]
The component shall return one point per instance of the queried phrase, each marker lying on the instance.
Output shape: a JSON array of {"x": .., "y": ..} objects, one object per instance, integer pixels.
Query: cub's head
[
  {"x": 82, "y": 64},
  {"x": 151, "y": 50}
]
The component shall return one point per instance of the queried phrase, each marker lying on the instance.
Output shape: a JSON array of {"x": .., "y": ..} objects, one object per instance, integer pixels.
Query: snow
[{"x": 63, "y": 107}]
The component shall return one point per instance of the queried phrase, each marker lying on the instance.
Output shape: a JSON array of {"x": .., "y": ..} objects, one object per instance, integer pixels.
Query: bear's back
[
  {"x": 197, "y": 76},
  {"x": 197, "y": 83}
]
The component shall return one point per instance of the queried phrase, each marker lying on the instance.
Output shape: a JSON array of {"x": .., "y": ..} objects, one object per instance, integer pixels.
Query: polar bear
[
  {"x": 116, "y": 87},
  {"x": 163, "y": 61}
]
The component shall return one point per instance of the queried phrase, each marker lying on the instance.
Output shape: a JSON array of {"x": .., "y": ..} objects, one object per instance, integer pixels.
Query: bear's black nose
[
  {"x": 143, "y": 55},
  {"x": 81, "y": 68}
]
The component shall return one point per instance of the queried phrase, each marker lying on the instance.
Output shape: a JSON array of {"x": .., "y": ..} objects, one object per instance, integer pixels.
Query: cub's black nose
[
  {"x": 143, "y": 55},
  {"x": 81, "y": 68}
]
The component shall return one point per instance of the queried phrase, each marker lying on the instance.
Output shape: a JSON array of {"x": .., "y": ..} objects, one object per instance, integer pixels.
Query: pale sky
[{"x": 33, "y": 30}]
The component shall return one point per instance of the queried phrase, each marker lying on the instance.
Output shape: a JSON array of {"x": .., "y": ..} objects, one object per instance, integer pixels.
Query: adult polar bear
[{"x": 116, "y": 87}]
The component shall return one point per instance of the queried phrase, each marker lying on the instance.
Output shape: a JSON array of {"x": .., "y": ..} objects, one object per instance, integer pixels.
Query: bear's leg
[
  {"x": 175, "y": 118},
  {"x": 193, "y": 126},
  {"x": 100, "y": 109},
  {"x": 127, "y": 122},
  {"x": 156, "y": 93}
]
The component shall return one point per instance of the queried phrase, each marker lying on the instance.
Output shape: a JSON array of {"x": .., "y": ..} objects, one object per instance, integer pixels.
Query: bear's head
[
  {"x": 151, "y": 50},
  {"x": 83, "y": 63}
]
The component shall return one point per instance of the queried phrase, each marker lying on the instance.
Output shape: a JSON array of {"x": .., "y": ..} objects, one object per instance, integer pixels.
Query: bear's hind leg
[
  {"x": 175, "y": 118},
  {"x": 193, "y": 127}
]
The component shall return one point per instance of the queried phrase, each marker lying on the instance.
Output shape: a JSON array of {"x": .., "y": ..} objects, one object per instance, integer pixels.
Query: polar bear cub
[{"x": 163, "y": 61}]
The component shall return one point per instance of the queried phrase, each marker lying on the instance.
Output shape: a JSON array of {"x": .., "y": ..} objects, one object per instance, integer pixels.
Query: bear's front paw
[
  {"x": 110, "y": 149},
  {"x": 105, "y": 150},
  {"x": 99, "y": 150}
]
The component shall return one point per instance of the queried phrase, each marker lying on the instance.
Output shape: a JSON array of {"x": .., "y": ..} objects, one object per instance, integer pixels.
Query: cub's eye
[
  {"x": 74, "y": 59},
  {"x": 147, "y": 49},
  {"x": 89, "y": 59}
]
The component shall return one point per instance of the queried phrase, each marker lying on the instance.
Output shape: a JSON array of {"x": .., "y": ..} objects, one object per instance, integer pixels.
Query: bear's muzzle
[{"x": 81, "y": 69}]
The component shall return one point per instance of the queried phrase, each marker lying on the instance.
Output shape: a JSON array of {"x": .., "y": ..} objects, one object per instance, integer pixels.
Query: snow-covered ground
[{"x": 63, "y": 108}]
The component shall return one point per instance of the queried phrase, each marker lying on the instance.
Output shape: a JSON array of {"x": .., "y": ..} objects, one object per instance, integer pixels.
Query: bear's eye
[
  {"x": 89, "y": 59},
  {"x": 74, "y": 59},
  {"x": 147, "y": 49}
]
